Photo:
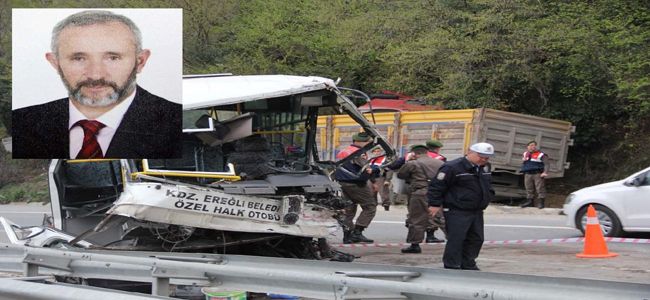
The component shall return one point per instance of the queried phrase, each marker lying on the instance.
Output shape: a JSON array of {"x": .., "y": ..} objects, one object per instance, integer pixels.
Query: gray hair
[{"x": 91, "y": 17}]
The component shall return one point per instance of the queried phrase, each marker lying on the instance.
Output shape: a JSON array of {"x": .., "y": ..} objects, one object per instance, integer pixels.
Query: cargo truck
[{"x": 457, "y": 129}]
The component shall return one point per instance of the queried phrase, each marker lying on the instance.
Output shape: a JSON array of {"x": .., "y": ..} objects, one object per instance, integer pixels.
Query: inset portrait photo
[{"x": 97, "y": 83}]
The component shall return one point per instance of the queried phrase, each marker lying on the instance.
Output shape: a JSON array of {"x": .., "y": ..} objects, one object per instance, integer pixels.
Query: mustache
[
  {"x": 119, "y": 92},
  {"x": 96, "y": 83}
]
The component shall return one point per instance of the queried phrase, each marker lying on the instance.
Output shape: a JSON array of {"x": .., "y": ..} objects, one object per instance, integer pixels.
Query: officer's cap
[
  {"x": 418, "y": 146},
  {"x": 361, "y": 137},
  {"x": 483, "y": 149},
  {"x": 434, "y": 144}
]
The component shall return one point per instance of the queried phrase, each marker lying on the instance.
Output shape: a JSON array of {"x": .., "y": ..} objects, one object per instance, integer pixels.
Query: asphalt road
[
  {"x": 23, "y": 215},
  {"x": 503, "y": 223},
  {"x": 555, "y": 258}
]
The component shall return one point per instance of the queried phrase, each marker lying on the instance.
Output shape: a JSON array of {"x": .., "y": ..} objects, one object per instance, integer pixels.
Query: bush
[
  {"x": 22, "y": 179},
  {"x": 12, "y": 194},
  {"x": 27, "y": 192},
  {"x": 19, "y": 170}
]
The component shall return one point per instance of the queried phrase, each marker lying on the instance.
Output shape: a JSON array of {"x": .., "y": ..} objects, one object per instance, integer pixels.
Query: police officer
[
  {"x": 438, "y": 221},
  {"x": 416, "y": 172},
  {"x": 355, "y": 187},
  {"x": 434, "y": 149},
  {"x": 463, "y": 186},
  {"x": 535, "y": 170},
  {"x": 380, "y": 183}
]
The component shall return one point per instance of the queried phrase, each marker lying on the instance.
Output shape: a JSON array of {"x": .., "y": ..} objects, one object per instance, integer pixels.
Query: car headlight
[{"x": 569, "y": 199}]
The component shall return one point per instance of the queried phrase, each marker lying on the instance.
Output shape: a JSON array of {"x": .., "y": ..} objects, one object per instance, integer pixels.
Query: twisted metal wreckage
[{"x": 250, "y": 180}]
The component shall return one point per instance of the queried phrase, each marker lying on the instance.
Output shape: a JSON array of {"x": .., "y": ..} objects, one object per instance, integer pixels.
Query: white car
[{"x": 622, "y": 206}]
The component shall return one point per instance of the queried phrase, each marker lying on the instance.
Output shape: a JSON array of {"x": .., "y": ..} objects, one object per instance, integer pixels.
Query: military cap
[
  {"x": 361, "y": 137},
  {"x": 434, "y": 144},
  {"x": 413, "y": 147}
]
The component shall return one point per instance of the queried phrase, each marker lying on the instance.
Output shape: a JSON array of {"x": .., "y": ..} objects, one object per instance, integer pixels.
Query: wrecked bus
[{"x": 250, "y": 180}]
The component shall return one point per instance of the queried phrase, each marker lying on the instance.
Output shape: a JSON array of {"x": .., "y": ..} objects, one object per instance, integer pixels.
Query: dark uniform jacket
[
  {"x": 150, "y": 128},
  {"x": 460, "y": 185},
  {"x": 351, "y": 172},
  {"x": 417, "y": 173}
]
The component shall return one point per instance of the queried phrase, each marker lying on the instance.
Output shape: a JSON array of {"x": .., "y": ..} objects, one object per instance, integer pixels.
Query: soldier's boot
[
  {"x": 414, "y": 248},
  {"x": 346, "y": 237},
  {"x": 528, "y": 203},
  {"x": 431, "y": 237},
  {"x": 356, "y": 236},
  {"x": 540, "y": 205},
  {"x": 386, "y": 206}
]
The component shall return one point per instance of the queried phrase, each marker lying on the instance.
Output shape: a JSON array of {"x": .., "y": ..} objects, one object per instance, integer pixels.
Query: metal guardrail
[
  {"x": 43, "y": 288},
  {"x": 305, "y": 278}
]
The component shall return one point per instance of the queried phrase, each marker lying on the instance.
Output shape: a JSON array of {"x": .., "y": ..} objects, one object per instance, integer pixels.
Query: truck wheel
[{"x": 609, "y": 222}]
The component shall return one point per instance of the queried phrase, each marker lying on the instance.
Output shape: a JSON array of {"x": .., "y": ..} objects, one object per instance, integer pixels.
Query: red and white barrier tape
[{"x": 506, "y": 242}]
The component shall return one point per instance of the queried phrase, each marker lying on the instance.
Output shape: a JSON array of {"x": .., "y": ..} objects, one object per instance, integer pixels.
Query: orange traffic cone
[{"x": 595, "y": 246}]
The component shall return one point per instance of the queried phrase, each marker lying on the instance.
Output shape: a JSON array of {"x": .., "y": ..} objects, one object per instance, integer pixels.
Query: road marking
[
  {"x": 491, "y": 225},
  {"x": 529, "y": 226},
  {"x": 505, "y": 242},
  {"x": 496, "y": 260}
]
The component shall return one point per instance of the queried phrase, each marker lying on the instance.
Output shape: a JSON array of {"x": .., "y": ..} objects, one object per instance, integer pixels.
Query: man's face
[
  {"x": 532, "y": 147},
  {"x": 477, "y": 159},
  {"x": 98, "y": 63}
]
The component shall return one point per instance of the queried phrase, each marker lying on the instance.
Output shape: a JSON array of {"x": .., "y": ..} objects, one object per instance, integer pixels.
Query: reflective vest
[
  {"x": 430, "y": 154},
  {"x": 435, "y": 155},
  {"x": 532, "y": 162},
  {"x": 350, "y": 171},
  {"x": 378, "y": 161},
  {"x": 347, "y": 151}
]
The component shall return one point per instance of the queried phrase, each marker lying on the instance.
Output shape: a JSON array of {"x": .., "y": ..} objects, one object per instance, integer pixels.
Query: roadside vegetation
[
  {"x": 22, "y": 180},
  {"x": 586, "y": 62}
]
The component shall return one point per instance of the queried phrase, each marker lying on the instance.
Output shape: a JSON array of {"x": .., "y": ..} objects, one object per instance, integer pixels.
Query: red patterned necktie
[{"x": 90, "y": 147}]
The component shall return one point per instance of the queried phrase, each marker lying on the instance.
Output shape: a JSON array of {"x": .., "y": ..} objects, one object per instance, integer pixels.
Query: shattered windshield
[{"x": 250, "y": 135}]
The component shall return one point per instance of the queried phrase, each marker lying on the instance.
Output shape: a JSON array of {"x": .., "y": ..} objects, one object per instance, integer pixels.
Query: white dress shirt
[{"x": 111, "y": 119}]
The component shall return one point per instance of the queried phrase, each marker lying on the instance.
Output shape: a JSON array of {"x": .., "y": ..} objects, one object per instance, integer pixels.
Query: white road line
[
  {"x": 529, "y": 226},
  {"x": 504, "y": 242},
  {"x": 495, "y": 259},
  {"x": 491, "y": 225}
]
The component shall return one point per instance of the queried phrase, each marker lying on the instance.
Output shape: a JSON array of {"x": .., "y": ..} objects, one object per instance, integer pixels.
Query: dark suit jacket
[{"x": 151, "y": 128}]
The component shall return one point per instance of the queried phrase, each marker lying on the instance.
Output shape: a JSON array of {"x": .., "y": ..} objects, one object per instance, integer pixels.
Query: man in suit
[{"x": 106, "y": 114}]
